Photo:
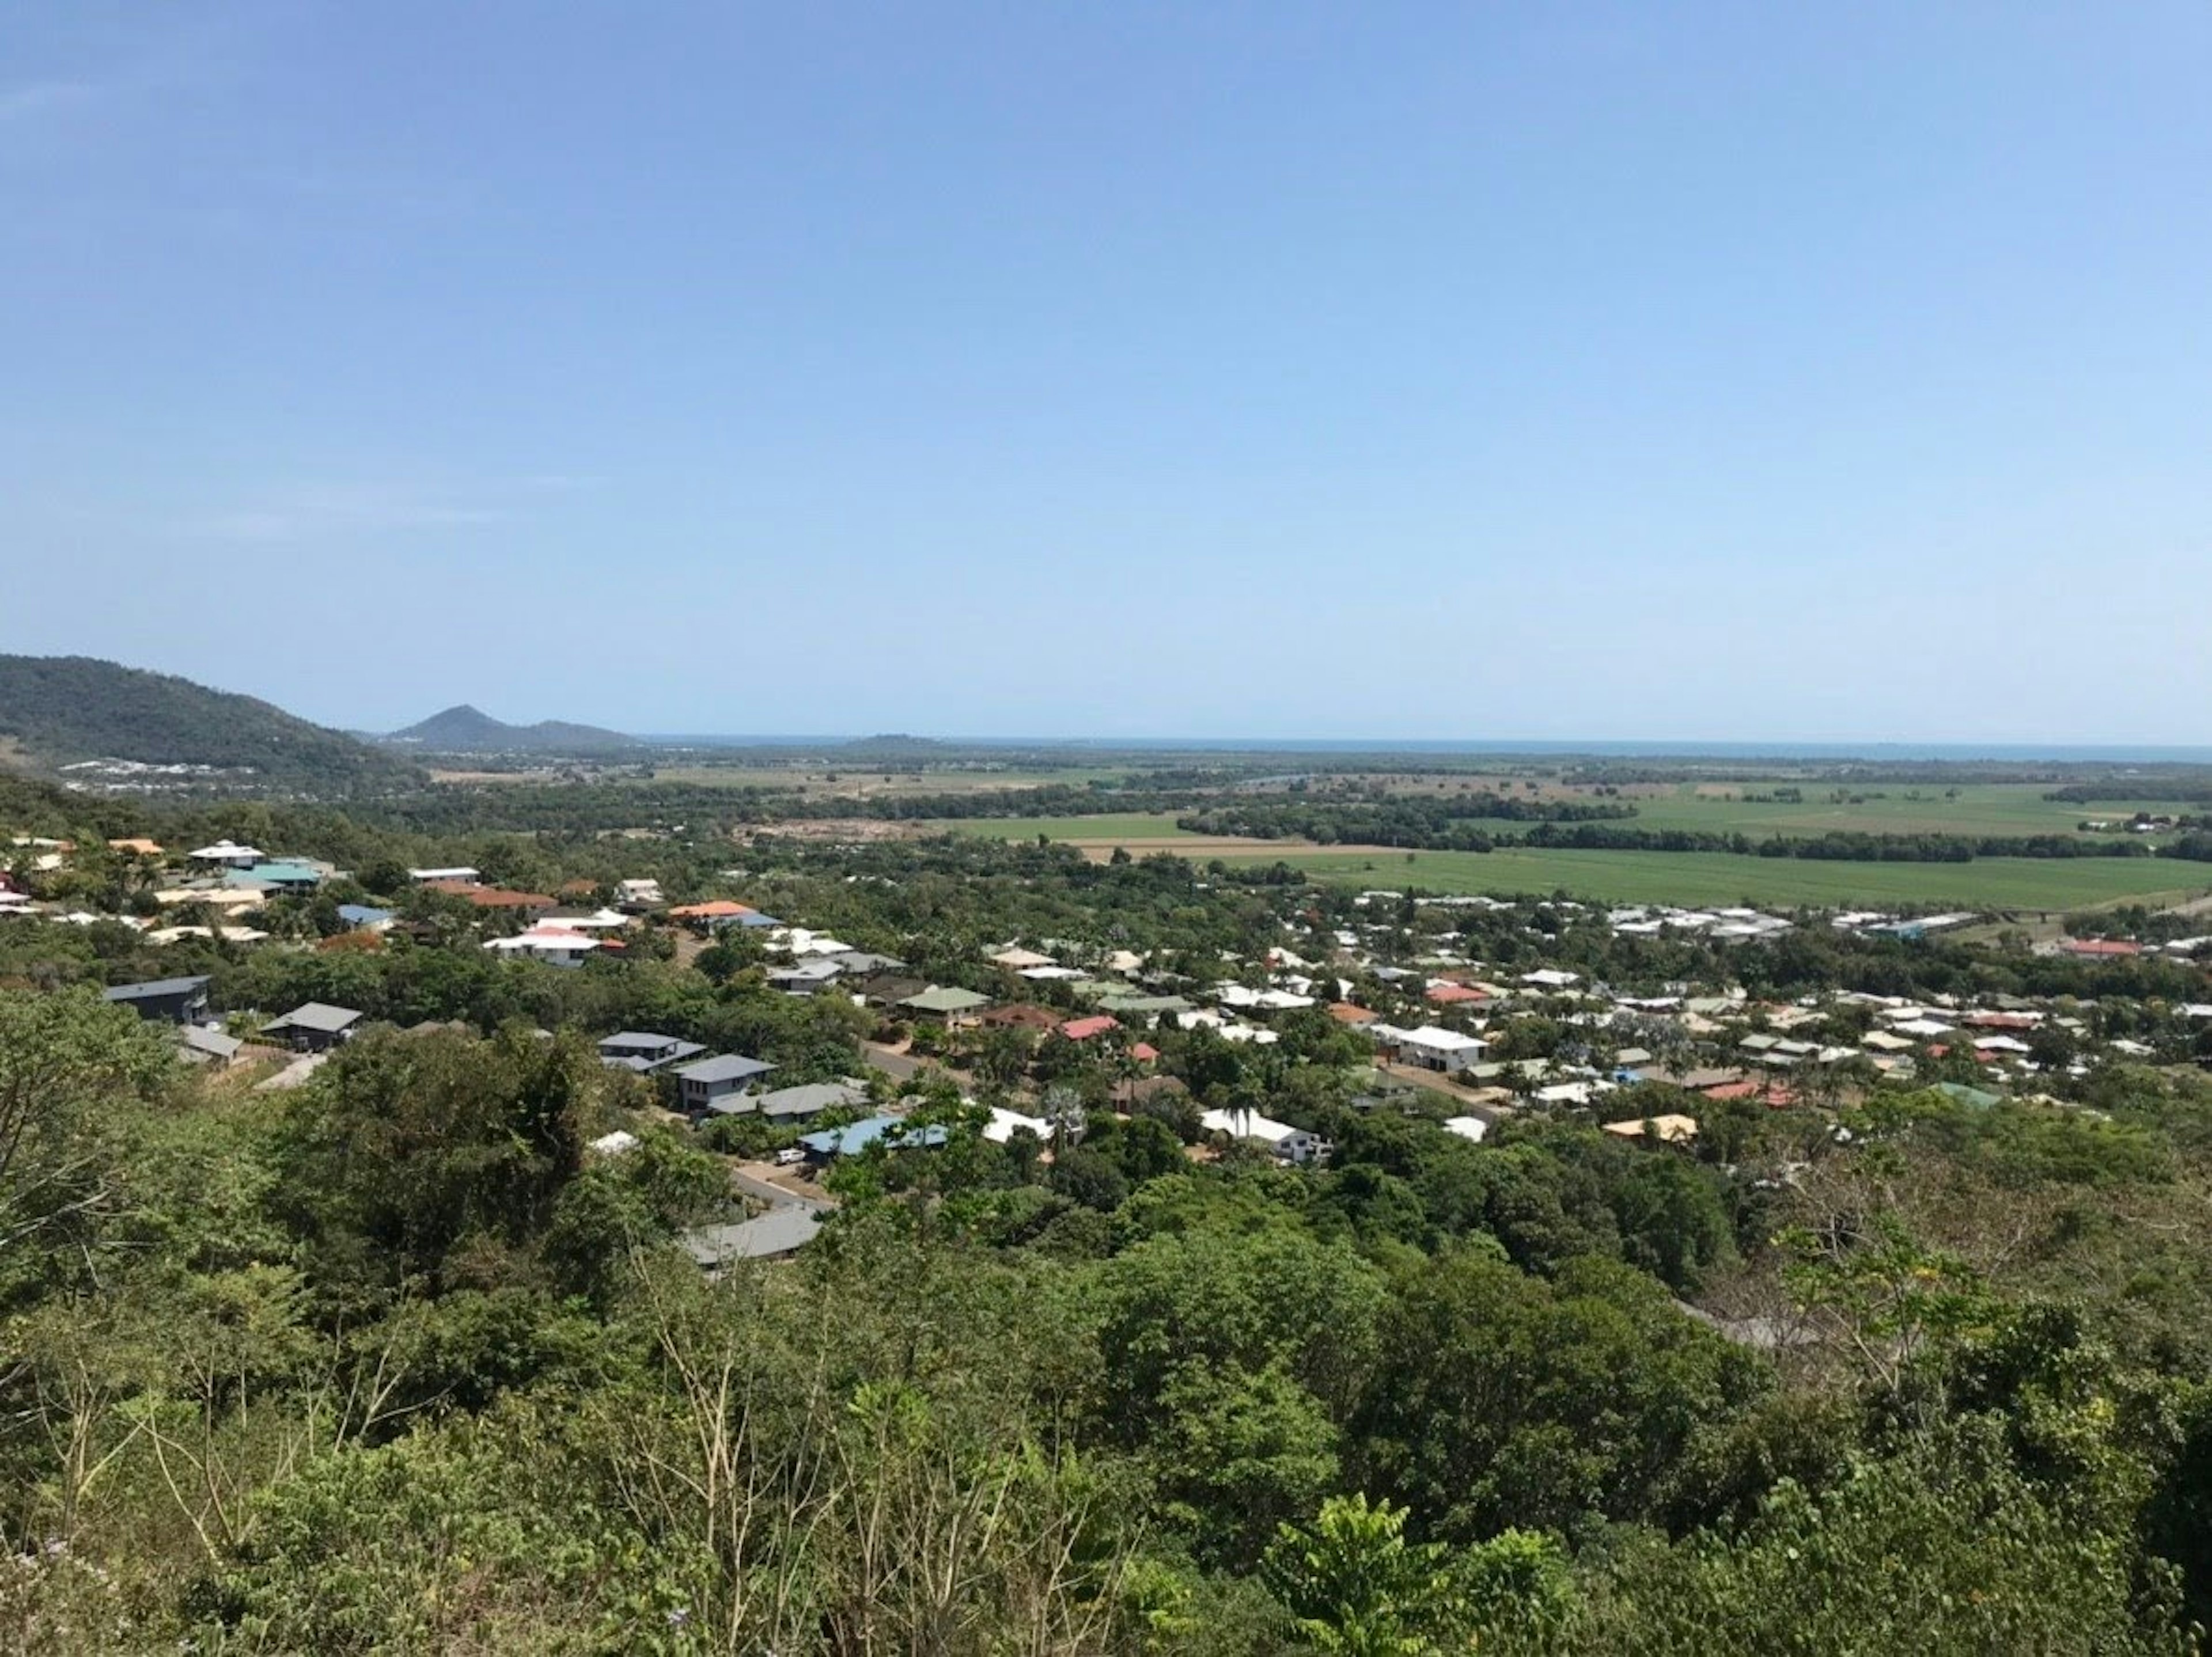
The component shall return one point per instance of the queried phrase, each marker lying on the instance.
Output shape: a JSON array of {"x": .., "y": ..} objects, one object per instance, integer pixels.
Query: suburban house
[
  {"x": 203, "y": 1044},
  {"x": 784, "y": 1229},
  {"x": 314, "y": 1026},
  {"x": 557, "y": 946},
  {"x": 461, "y": 875},
  {"x": 718, "y": 1085},
  {"x": 809, "y": 1099},
  {"x": 804, "y": 977},
  {"x": 1284, "y": 1142},
  {"x": 366, "y": 918},
  {"x": 228, "y": 855},
  {"x": 645, "y": 1051},
  {"x": 289, "y": 877},
  {"x": 862, "y": 963},
  {"x": 955, "y": 1009},
  {"x": 1449, "y": 994},
  {"x": 1432, "y": 1048},
  {"x": 1004, "y": 1124},
  {"x": 525, "y": 904},
  {"x": 175, "y": 1000},
  {"x": 639, "y": 894},
  {"x": 1085, "y": 1029}
]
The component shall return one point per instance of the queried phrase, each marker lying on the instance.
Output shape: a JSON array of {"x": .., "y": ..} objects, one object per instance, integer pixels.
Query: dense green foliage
[{"x": 63, "y": 709}]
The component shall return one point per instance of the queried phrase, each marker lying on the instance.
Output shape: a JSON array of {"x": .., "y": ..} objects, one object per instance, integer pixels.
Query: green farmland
[
  {"x": 1974, "y": 809},
  {"x": 1718, "y": 878}
]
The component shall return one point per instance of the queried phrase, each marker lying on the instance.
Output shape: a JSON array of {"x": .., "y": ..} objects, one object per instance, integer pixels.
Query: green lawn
[
  {"x": 1719, "y": 878},
  {"x": 1979, "y": 809},
  {"x": 1125, "y": 825}
]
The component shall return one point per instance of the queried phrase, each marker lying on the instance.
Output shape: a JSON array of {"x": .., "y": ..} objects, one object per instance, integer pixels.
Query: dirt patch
[{"x": 841, "y": 831}]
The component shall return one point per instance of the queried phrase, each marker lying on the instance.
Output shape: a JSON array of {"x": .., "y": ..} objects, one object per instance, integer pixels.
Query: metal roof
[
  {"x": 783, "y": 1229},
  {"x": 316, "y": 1016},
  {"x": 723, "y": 1067},
  {"x": 154, "y": 989}
]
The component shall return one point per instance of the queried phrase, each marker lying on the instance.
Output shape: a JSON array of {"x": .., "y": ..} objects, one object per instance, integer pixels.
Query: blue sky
[{"x": 1680, "y": 370}]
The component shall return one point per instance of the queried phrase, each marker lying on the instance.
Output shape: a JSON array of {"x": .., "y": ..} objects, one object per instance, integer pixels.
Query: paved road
[{"x": 898, "y": 1066}]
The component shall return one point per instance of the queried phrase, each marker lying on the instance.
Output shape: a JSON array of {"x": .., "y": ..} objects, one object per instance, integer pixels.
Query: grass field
[
  {"x": 1717, "y": 877},
  {"x": 2021, "y": 884},
  {"x": 1889, "y": 809}
]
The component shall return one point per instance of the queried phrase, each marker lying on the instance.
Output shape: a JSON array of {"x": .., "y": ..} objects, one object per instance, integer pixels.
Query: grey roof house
[
  {"x": 718, "y": 1085},
  {"x": 810, "y": 1099},
  {"x": 784, "y": 1229},
  {"x": 178, "y": 1000},
  {"x": 804, "y": 977},
  {"x": 203, "y": 1044},
  {"x": 314, "y": 1026},
  {"x": 645, "y": 1051}
]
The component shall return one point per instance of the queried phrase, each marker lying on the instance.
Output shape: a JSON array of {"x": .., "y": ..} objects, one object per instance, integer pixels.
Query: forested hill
[
  {"x": 466, "y": 730},
  {"x": 60, "y": 711}
]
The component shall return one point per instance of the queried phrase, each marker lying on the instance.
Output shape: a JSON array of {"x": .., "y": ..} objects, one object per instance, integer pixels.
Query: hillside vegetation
[{"x": 61, "y": 711}]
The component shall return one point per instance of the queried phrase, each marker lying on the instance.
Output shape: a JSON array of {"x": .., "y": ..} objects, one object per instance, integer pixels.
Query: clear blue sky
[{"x": 1760, "y": 372}]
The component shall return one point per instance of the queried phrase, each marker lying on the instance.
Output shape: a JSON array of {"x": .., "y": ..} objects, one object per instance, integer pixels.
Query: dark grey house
[
  {"x": 645, "y": 1051},
  {"x": 314, "y": 1026},
  {"x": 718, "y": 1085},
  {"x": 172, "y": 1000}
]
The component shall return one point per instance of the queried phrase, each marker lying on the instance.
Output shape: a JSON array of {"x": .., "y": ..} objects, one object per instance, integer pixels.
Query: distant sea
[{"x": 1891, "y": 752}]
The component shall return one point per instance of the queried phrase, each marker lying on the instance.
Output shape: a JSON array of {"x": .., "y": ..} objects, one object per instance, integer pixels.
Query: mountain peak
[{"x": 466, "y": 729}]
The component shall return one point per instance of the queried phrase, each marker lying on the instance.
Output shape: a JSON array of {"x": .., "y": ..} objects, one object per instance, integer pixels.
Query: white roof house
[
  {"x": 459, "y": 871},
  {"x": 1467, "y": 1128},
  {"x": 226, "y": 852},
  {"x": 1246, "y": 1124},
  {"x": 1004, "y": 1122},
  {"x": 1551, "y": 978},
  {"x": 554, "y": 944},
  {"x": 1243, "y": 996},
  {"x": 1433, "y": 1047}
]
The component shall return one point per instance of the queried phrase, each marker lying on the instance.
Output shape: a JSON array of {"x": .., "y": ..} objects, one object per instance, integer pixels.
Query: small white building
[
  {"x": 1438, "y": 1049},
  {"x": 557, "y": 946},
  {"x": 228, "y": 854},
  {"x": 1288, "y": 1143}
]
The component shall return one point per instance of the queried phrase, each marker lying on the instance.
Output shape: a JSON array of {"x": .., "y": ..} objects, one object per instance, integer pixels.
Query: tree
[
  {"x": 68, "y": 1063},
  {"x": 1359, "y": 1589}
]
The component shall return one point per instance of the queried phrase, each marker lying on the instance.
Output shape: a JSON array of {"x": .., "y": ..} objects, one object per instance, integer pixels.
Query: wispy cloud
[
  {"x": 31, "y": 100},
  {"x": 323, "y": 511}
]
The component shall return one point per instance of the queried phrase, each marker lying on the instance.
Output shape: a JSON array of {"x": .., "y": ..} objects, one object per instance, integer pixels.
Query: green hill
[
  {"x": 111, "y": 727},
  {"x": 466, "y": 730}
]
